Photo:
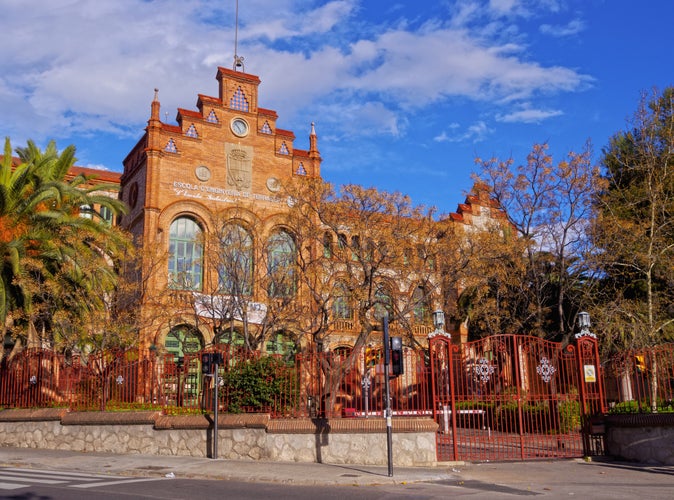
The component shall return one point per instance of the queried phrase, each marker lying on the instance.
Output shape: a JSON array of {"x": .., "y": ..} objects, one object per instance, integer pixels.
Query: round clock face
[{"x": 239, "y": 127}]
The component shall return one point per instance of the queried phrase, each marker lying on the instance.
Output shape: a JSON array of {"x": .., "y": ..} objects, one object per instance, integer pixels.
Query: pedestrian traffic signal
[
  {"x": 397, "y": 356},
  {"x": 209, "y": 360},
  {"x": 207, "y": 363}
]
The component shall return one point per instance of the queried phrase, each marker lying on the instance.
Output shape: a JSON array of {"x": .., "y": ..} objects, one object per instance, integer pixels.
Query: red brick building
[{"x": 221, "y": 164}]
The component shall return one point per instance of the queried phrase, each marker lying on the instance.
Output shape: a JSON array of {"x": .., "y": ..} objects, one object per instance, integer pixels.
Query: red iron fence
[
  {"x": 306, "y": 385},
  {"x": 515, "y": 397},
  {"x": 506, "y": 397},
  {"x": 642, "y": 380}
]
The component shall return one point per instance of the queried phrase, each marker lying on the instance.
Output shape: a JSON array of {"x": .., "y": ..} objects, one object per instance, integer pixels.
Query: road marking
[
  {"x": 57, "y": 473},
  {"x": 12, "y": 478},
  {"x": 120, "y": 481},
  {"x": 12, "y": 486},
  {"x": 17, "y": 476}
]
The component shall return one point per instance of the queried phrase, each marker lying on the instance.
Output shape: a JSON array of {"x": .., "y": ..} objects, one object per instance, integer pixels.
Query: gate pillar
[
  {"x": 442, "y": 375},
  {"x": 593, "y": 400}
]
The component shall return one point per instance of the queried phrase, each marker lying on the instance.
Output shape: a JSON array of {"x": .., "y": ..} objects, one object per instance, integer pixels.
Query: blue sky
[{"x": 405, "y": 94}]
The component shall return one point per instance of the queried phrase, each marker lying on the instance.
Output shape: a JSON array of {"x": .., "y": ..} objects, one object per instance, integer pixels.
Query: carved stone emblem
[{"x": 239, "y": 167}]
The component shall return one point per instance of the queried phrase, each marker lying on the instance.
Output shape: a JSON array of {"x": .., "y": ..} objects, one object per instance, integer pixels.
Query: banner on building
[{"x": 229, "y": 307}]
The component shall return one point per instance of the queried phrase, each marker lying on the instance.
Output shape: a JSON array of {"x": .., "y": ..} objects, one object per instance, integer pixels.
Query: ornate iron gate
[{"x": 513, "y": 397}]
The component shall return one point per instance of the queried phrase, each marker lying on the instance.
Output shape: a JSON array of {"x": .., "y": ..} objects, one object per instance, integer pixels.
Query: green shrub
[
  {"x": 663, "y": 406},
  {"x": 569, "y": 416},
  {"x": 259, "y": 384}
]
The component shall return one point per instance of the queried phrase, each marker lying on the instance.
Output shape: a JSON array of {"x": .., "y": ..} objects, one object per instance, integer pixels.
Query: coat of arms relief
[{"x": 239, "y": 166}]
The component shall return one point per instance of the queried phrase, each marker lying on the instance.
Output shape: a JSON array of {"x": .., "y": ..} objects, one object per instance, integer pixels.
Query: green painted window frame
[
  {"x": 236, "y": 277},
  {"x": 282, "y": 255},
  {"x": 185, "y": 262}
]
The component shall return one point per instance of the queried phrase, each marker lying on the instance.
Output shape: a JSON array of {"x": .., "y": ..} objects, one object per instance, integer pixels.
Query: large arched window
[
  {"x": 183, "y": 339},
  {"x": 185, "y": 262},
  {"x": 282, "y": 343},
  {"x": 236, "y": 261},
  {"x": 422, "y": 311},
  {"x": 341, "y": 304},
  {"x": 233, "y": 337},
  {"x": 281, "y": 259}
]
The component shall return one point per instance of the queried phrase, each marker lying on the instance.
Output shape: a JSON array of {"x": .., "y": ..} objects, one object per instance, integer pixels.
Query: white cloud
[
  {"x": 529, "y": 115},
  {"x": 419, "y": 68},
  {"x": 70, "y": 66},
  {"x": 572, "y": 28},
  {"x": 476, "y": 132}
]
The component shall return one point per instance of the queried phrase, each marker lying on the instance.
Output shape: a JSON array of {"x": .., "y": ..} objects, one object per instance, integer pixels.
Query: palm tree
[{"x": 44, "y": 239}]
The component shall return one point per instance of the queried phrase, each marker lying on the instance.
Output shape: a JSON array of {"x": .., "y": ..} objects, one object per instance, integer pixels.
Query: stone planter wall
[
  {"x": 641, "y": 438},
  {"x": 241, "y": 437}
]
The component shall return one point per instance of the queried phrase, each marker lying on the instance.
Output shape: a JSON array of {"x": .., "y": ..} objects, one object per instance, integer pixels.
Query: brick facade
[{"x": 228, "y": 158}]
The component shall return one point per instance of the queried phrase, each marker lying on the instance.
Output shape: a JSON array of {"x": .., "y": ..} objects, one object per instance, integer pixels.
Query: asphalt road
[{"x": 601, "y": 481}]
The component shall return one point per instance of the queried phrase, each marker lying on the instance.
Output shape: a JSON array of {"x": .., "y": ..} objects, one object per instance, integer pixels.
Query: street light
[
  {"x": 439, "y": 325},
  {"x": 584, "y": 325},
  {"x": 439, "y": 320}
]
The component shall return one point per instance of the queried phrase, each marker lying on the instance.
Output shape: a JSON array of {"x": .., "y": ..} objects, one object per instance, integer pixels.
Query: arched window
[
  {"x": 281, "y": 259},
  {"x": 281, "y": 343},
  {"x": 342, "y": 351},
  {"x": 236, "y": 261},
  {"x": 185, "y": 262},
  {"x": 327, "y": 245},
  {"x": 383, "y": 303},
  {"x": 422, "y": 311},
  {"x": 230, "y": 336},
  {"x": 341, "y": 304},
  {"x": 355, "y": 247},
  {"x": 341, "y": 241},
  {"x": 183, "y": 339}
]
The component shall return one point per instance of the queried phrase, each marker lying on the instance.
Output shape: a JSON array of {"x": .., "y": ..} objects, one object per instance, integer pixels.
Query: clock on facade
[{"x": 239, "y": 126}]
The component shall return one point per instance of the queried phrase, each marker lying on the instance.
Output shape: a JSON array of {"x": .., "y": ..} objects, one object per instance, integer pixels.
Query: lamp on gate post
[
  {"x": 584, "y": 325},
  {"x": 439, "y": 325},
  {"x": 439, "y": 320}
]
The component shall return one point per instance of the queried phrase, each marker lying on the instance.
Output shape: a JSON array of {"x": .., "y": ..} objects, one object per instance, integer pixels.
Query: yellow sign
[{"x": 590, "y": 373}]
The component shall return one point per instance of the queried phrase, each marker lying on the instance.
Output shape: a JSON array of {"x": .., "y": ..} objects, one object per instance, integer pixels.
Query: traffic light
[
  {"x": 209, "y": 360},
  {"x": 206, "y": 363},
  {"x": 640, "y": 363},
  {"x": 397, "y": 356},
  {"x": 371, "y": 357}
]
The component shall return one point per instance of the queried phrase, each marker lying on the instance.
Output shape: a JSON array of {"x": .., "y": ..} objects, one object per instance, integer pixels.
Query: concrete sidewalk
[
  {"x": 205, "y": 468},
  {"x": 551, "y": 478}
]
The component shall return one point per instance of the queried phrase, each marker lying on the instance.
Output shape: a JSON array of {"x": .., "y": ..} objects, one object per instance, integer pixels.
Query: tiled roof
[
  {"x": 267, "y": 112},
  {"x": 287, "y": 133},
  {"x": 189, "y": 112}
]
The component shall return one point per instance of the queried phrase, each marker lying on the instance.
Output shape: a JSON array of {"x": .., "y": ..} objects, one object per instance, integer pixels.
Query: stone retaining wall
[
  {"x": 240, "y": 437},
  {"x": 641, "y": 438}
]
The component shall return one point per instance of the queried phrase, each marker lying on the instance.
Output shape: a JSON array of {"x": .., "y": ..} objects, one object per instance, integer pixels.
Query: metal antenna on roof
[{"x": 238, "y": 60}]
